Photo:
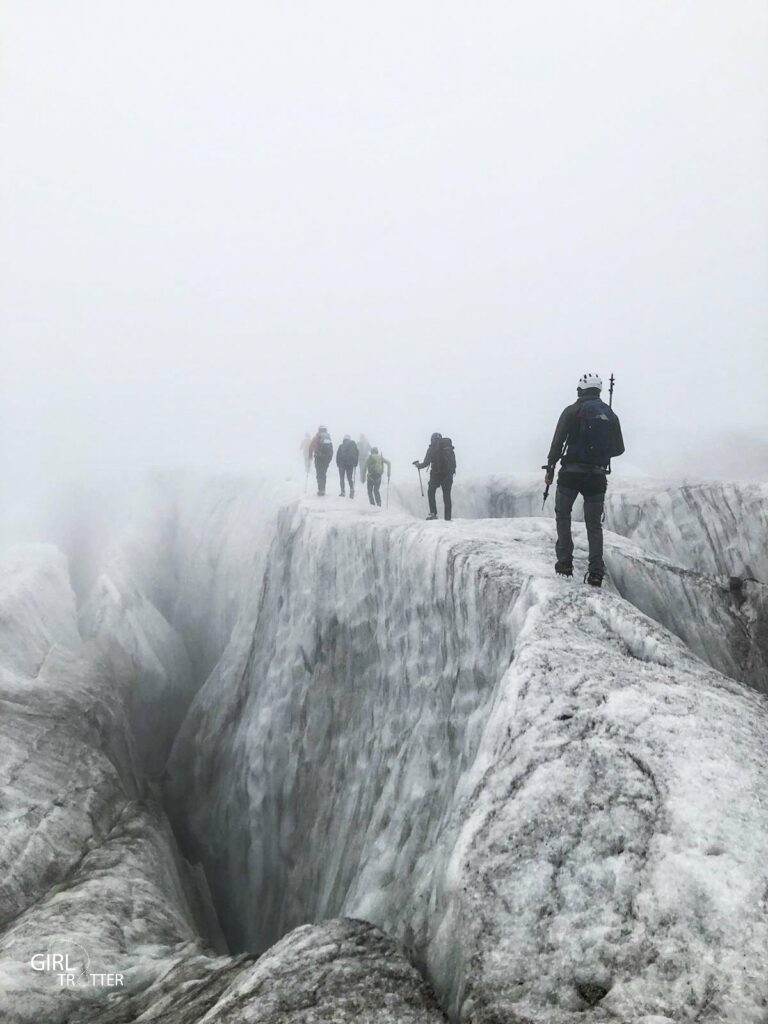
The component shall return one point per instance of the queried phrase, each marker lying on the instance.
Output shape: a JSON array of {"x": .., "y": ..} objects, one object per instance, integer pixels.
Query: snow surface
[{"x": 556, "y": 804}]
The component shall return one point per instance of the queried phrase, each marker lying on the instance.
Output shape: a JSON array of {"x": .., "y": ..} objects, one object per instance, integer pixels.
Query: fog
[{"x": 224, "y": 223}]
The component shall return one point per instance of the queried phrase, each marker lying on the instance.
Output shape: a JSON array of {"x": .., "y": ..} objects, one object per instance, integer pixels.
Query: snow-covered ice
[
  {"x": 714, "y": 527},
  {"x": 89, "y": 868},
  {"x": 423, "y": 728},
  {"x": 552, "y": 800}
]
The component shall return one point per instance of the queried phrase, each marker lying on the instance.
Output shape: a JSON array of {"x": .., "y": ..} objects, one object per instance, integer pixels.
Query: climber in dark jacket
[
  {"x": 441, "y": 458},
  {"x": 321, "y": 449},
  {"x": 347, "y": 457},
  {"x": 587, "y": 437}
]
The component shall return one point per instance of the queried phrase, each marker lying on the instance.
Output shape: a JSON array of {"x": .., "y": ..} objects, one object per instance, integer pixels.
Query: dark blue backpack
[{"x": 593, "y": 440}]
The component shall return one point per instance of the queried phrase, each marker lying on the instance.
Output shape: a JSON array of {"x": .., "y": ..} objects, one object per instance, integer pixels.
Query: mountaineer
[
  {"x": 347, "y": 457},
  {"x": 587, "y": 437},
  {"x": 441, "y": 458},
  {"x": 321, "y": 449},
  {"x": 374, "y": 470}
]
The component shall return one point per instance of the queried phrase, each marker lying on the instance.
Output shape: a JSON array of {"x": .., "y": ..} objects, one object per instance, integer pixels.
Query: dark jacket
[
  {"x": 436, "y": 460},
  {"x": 347, "y": 454},
  {"x": 566, "y": 428},
  {"x": 314, "y": 447}
]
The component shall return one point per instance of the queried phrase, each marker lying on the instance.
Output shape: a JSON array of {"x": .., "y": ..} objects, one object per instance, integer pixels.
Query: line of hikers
[
  {"x": 350, "y": 456},
  {"x": 587, "y": 436}
]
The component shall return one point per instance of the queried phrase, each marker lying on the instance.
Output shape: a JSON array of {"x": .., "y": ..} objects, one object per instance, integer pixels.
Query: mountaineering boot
[
  {"x": 352, "y": 492},
  {"x": 563, "y": 569},
  {"x": 594, "y": 579},
  {"x": 432, "y": 515},
  {"x": 341, "y": 494}
]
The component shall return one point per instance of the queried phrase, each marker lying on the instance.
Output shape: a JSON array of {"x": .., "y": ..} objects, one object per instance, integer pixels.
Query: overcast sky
[{"x": 223, "y": 223}]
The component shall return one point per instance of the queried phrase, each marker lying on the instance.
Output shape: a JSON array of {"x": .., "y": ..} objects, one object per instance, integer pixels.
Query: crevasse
[
  {"x": 417, "y": 725},
  {"x": 553, "y": 801}
]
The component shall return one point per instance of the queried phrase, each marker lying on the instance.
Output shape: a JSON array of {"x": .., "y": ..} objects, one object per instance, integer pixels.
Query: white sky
[{"x": 225, "y": 222}]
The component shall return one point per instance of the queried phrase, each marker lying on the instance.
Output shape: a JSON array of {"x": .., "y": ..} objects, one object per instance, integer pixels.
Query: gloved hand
[
  {"x": 549, "y": 476},
  {"x": 416, "y": 463}
]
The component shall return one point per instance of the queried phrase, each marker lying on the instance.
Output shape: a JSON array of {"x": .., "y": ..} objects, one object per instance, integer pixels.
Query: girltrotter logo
[{"x": 69, "y": 963}]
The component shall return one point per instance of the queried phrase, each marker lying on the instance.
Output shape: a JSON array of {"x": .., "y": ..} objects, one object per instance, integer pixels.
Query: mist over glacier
[
  {"x": 267, "y": 759},
  {"x": 424, "y": 218}
]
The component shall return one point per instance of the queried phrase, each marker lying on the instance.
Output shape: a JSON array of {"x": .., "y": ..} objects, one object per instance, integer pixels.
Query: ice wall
[
  {"x": 698, "y": 563},
  {"x": 725, "y": 625},
  {"x": 543, "y": 792},
  {"x": 715, "y": 527},
  {"x": 366, "y": 653},
  {"x": 161, "y": 594},
  {"x": 89, "y": 869},
  {"x": 84, "y": 862}
]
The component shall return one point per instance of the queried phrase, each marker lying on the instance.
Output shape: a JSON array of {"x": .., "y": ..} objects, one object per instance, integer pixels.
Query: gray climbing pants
[{"x": 592, "y": 486}]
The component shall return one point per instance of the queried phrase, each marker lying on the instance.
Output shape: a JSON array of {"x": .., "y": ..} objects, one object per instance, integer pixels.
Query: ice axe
[
  {"x": 418, "y": 470},
  {"x": 610, "y": 406},
  {"x": 546, "y": 491}
]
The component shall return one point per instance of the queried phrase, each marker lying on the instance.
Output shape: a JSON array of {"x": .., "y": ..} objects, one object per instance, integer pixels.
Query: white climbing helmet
[{"x": 590, "y": 380}]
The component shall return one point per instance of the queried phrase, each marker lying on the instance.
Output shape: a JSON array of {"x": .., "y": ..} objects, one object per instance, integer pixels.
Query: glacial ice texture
[
  {"x": 89, "y": 868},
  {"x": 391, "y": 744},
  {"x": 544, "y": 793}
]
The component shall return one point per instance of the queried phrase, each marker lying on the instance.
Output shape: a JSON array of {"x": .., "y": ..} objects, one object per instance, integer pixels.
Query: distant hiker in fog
[
  {"x": 306, "y": 452},
  {"x": 364, "y": 448},
  {"x": 441, "y": 458},
  {"x": 347, "y": 457},
  {"x": 374, "y": 470},
  {"x": 321, "y": 449},
  {"x": 587, "y": 437}
]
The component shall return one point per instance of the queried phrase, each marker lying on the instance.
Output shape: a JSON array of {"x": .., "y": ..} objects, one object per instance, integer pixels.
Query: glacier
[
  {"x": 698, "y": 562},
  {"x": 92, "y": 872},
  {"x": 279, "y": 760},
  {"x": 717, "y": 528}
]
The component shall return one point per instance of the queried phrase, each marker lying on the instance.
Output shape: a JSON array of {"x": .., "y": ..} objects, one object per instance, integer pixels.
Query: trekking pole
[
  {"x": 421, "y": 485},
  {"x": 387, "y": 505}
]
